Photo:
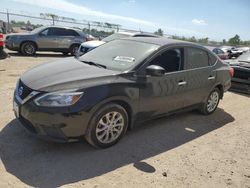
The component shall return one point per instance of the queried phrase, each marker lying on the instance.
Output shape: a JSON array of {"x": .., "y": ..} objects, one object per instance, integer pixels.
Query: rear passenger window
[
  {"x": 196, "y": 58},
  {"x": 69, "y": 32},
  {"x": 212, "y": 59},
  {"x": 56, "y": 32}
]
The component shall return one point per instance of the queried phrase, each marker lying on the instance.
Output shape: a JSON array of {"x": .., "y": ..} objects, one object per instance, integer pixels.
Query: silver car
[{"x": 52, "y": 38}]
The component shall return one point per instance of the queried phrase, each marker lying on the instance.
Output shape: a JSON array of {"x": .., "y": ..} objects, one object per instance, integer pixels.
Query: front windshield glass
[
  {"x": 37, "y": 30},
  {"x": 115, "y": 36},
  {"x": 120, "y": 54}
]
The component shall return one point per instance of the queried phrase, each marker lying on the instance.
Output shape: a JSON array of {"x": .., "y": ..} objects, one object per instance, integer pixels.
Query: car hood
[
  {"x": 92, "y": 43},
  {"x": 66, "y": 74},
  {"x": 19, "y": 34}
]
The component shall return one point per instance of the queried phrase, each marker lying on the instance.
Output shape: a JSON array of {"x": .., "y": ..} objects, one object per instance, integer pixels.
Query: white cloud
[
  {"x": 66, "y": 6},
  {"x": 131, "y": 1},
  {"x": 199, "y": 22}
]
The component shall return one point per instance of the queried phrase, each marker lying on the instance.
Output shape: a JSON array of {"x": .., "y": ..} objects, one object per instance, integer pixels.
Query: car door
[
  {"x": 167, "y": 93},
  {"x": 47, "y": 39},
  {"x": 67, "y": 37},
  {"x": 199, "y": 75}
]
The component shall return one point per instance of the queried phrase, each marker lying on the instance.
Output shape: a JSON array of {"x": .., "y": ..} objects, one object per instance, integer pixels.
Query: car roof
[
  {"x": 160, "y": 41},
  {"x": 63, "y": 27}
]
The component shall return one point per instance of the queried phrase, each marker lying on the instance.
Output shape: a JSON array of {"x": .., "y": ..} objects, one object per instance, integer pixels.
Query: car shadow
[
  {"x": 38, "y": 55},
  {"x": 46, "y": 164}
]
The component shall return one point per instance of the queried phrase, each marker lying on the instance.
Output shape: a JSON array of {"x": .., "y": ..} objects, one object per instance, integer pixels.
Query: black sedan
[
  {"x": 117, "y": 86},
  {"x": 241, "y": 78}
]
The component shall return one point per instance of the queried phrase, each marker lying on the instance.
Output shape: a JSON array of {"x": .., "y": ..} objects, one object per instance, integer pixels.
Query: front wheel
[
  {"x": 211, "y": 103},
  {"x": 107, "y": 126}
]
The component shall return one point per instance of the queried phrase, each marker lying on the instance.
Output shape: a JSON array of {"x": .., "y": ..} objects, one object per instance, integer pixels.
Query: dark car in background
[
  {"x": 241, "y": 78},
  {"x": 117, "y": 86},
  {"x": 52, "y": 38}
]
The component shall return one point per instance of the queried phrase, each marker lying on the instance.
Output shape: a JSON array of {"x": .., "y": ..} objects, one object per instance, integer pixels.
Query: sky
[{"x": 215, "y": 19}]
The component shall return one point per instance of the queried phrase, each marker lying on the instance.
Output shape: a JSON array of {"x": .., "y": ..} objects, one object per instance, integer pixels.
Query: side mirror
[{"x": 155, "y": 70}]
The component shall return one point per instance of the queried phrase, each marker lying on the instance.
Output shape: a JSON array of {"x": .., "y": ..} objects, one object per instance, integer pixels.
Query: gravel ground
[{"x": 184, "y": 150}]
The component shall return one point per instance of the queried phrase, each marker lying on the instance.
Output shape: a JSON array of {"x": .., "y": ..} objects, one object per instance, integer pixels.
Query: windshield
[
  {"x": 37, "y": 30},
  {"x": 116, "y": 36},
  {"x": 120, "y": 54}
]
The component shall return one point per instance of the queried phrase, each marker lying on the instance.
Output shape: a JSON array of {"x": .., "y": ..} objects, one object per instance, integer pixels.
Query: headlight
[{"x": 58, "y": 99}]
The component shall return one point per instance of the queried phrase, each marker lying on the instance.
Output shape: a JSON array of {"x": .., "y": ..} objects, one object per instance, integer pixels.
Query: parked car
[
  {"x": 90, "y": 45},
  {"x": 219, "y": 52},
  {"x": 3, "y": 54},
  {"x": 235, "y": 52},
  {"x": 116, "y": 86},
  {"x": 52, "y": 38},
  {"x": 1, "y": 42},
  {"x": 232, "y": 51},
  {"x": 241, "y": 78},
  {"x": 244, "y": 49}
]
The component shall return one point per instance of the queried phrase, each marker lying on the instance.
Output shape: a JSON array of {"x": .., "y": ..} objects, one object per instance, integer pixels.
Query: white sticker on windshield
[{"x": 124, "y": 58}]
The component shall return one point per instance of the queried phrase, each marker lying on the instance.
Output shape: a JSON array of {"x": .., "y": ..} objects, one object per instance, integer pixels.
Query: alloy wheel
[
  {"x": 110, "y": 127},
  {"x": 213, "y": 101}
]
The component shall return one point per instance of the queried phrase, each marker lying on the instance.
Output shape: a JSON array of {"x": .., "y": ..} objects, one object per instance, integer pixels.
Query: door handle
[
  {"x": 181, "y": 83},
  {"x": 211, "y": 77}
]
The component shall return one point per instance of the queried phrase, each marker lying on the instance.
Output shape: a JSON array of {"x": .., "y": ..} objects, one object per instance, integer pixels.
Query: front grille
[
  {"x": 84, "y": 49},
  {"x": 241, "y": 74},
  {"x": 23, "y": 91}
]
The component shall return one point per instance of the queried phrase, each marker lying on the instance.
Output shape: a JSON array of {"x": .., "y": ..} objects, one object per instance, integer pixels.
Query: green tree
[
  {"x": 234, "y": 40},
  {"x": 203, "y": 40},
  {"x": 224, "y": 41},
  {"x": 159, "y": 32}
]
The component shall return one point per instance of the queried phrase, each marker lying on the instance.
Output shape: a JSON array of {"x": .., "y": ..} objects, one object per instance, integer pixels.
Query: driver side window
[{"x": 171, "y": 60}]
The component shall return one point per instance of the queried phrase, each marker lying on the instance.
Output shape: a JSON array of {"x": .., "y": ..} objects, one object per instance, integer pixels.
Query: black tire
[
  {"x": 205, "y": 106},
  {"x": 73, "y": 49},
  {"x": 91, "y": 133},
  {"x": 65, "y": 53},
  {"x": 28, "y": 48}
]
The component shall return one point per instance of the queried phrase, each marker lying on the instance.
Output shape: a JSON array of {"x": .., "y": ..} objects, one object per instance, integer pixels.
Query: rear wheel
[
  {"x": 211, "y": 103},
  {"x": 28, "y": 48},
  {"x": 107, "y": 126}
]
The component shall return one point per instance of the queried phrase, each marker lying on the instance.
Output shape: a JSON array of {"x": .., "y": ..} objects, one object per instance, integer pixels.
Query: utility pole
[
  {"x": 8, "y": 21},
  {"x": 89, "y": 27}
]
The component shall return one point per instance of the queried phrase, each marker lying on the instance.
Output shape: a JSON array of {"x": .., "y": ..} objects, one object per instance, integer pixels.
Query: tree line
[{"x": 234, "y": 41}]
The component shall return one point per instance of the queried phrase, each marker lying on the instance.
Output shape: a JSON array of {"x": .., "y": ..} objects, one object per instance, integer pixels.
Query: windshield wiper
[{"x": 95, "y": 64}]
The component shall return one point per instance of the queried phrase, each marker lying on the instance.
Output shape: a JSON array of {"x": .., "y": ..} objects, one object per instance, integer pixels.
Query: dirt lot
[{"x": 185, "y": 150}]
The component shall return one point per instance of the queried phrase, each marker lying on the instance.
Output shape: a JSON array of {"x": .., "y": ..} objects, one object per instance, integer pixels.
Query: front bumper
[
  {"x": 242, "y": 86},
  {"x": 55, "y": 124},
  {"x": 11, "y": 45}
]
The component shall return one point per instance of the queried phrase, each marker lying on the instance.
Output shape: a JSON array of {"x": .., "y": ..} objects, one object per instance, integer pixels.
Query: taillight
[
  {"x": 1, "y": 40},
  {"x": 231, "y": 71}
]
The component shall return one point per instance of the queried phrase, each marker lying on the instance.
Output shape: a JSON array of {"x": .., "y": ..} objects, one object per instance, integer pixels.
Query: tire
[
  {"x": 211, "y": 103},
  {"x": 28, "y": 48},
  {"x": 73, "y": 49},
  {"x": 101, "y": 127}
]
